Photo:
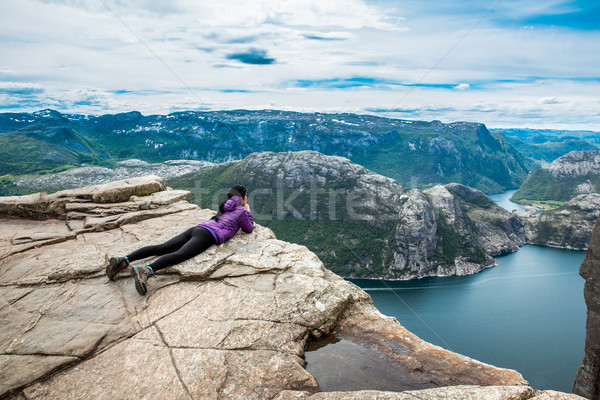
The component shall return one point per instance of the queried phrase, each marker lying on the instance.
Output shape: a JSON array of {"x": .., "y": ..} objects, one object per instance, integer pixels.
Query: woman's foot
[
  {"x": 141, "y": 278},
  {"x": 115, "y": 265}
]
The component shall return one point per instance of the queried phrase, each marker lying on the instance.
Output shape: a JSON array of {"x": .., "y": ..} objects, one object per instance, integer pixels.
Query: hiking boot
[
  {"x": 115, "y": 265},
  {"x": 141, "y": 278}
]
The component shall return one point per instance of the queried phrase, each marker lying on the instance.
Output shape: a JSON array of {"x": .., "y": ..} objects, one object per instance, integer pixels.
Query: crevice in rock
[
  {"x": 223, "y": 384},
  {"x": 40, "y": 354},
  {"x": 16, "y": 299},
  {"x": 173, "y": 363},
  {"x": 49, "y": 374}
]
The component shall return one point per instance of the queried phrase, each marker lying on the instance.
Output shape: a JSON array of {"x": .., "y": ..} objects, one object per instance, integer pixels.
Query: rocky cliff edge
[
  {"x": 230, "y": 323},
  {"x": 587, "y": 381}
]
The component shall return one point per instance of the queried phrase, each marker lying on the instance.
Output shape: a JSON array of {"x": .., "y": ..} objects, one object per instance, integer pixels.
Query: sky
[{"x": 505, "y": 63}]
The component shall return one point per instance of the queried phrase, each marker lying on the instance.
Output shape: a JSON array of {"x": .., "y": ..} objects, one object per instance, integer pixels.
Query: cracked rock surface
[{"x": 231, "y": 323}]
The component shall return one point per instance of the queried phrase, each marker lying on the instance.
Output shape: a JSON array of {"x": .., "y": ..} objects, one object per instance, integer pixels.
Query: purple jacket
[{"x": 234, "y": 218}]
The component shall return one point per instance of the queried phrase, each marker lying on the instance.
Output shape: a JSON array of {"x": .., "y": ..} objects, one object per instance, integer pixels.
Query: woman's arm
[{"x": 246, "y": 220}]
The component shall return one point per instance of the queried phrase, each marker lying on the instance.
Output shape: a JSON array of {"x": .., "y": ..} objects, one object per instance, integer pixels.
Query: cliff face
[
  {"x": 587, "y": 381},
  {"x": 231, "y": 323},
  {"x": 569, "y": 227},
  {"x": 576, "y": 164},
  {"x": 362, "y": 224}
]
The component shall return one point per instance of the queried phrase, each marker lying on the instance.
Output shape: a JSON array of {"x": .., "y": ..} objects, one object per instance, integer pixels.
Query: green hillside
[{"x": 568, "y": 176}]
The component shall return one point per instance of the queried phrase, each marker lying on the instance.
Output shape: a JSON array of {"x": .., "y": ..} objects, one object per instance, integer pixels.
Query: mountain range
[{"x": 417, "y": 154}]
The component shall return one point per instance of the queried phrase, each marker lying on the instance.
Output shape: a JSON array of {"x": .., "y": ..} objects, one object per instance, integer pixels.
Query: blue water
[
  {"x": 527, "y": 314},
  {"x": 503, "y": 200}
]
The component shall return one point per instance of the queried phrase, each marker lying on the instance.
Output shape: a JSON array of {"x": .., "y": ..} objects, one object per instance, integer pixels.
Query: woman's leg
[
  {"x": 169, "y": 246},
  {"x": 200, "y": 240},
  {"x": 116, "y": 264}
]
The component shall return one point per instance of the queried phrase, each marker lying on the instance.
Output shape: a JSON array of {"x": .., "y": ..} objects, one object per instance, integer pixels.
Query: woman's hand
[{"x": 245, "y": 203}]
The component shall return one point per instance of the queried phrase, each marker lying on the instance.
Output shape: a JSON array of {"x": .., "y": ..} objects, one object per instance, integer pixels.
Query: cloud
[
  {"x": 20, "y": 88},
  {"x": 252, "y": 56},
  {"x": 548, "y": 100},
  {"x": 462, "y": 86},
  {"x": 352, "y": 14},
  {"x": 6, "y": 70},
  {"x": 328, "y": 35},
  {"x": 157, "y": 7}
]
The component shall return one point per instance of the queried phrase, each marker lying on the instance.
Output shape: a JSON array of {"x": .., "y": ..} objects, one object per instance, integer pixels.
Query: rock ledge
[{"x": 231, "y": 323}]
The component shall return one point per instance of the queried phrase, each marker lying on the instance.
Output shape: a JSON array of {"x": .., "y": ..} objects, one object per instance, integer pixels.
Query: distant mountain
[
  {"x": 568, "y": 176},
  {"x": 362, "y": 224},
  {"x": 544, "y": 135},
  {"x": 417, "y": 154},
  {"x": 545, "y": 146}
]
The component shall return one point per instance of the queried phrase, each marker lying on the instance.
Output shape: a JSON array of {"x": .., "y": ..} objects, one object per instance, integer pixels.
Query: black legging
[{"x": 182, "y": 247}]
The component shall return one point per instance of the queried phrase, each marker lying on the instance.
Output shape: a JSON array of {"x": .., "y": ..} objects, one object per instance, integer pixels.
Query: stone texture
[
  {"x": 48, "y": 206},
  {"x": 231, "y": 323},
  {"x": 464, "y": 392},
  {"x": 553, "y": 395},
  {"x": 587, "y": 381}
]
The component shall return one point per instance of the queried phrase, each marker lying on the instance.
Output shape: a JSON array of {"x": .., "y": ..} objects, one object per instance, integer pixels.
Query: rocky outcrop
[
  {"x": 569, "y": 226},
  {"x": 587, "y": 381},
  {"x": 88, "y": 176},
  {"x": 575, "y": 173},
  {"x": 362, "y": 224},
  {"x": 454, "y": 230},
  {"x": 576, "y": 164},
  {"x": 231, "y": 323}
]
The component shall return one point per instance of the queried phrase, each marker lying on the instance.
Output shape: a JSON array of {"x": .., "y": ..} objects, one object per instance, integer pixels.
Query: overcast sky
[{"x": 506, "y": 63}]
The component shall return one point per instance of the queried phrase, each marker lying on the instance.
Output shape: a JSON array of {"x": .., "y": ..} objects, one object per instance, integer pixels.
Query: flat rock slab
[{"x": 231, "y": 323}]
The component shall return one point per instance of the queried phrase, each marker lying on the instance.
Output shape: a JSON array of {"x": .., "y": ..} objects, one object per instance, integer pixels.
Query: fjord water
[
  {"x": 527, "y": 313},
  {"x": 503, "y": 200}
]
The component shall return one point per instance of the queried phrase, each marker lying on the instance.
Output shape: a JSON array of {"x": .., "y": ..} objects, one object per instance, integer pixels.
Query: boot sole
[
  {"x": 114, "y": 266},
  {"x": 139, "y": 285}
]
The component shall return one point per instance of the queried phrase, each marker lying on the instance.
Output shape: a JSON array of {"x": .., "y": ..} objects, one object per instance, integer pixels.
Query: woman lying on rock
[{"x": 233, "y": 215}]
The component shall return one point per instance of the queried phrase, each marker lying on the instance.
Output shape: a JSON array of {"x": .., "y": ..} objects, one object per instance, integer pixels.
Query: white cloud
[
  {"x": 462, "y": 86},
  {"x": 20, "y": 87},
  {"x": 350, "y": 14},
  {"x": 548, "y": 100}
]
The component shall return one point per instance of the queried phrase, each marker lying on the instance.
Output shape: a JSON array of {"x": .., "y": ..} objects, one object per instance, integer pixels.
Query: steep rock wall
[{"x": 587, "y": 381}]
